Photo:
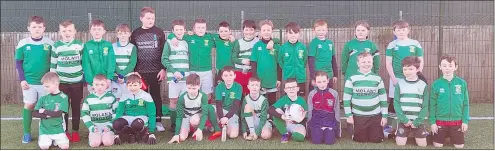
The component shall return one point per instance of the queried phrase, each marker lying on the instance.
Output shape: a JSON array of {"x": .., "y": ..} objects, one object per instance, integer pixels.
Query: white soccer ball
[{"x": 296, "y": 112}]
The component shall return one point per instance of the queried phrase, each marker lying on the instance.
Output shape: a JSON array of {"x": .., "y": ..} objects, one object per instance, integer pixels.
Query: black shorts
[
  {"x": 418, "y": 132},
  {"x": 368, "y": 129},
  {"x": 453, "y": 132}
]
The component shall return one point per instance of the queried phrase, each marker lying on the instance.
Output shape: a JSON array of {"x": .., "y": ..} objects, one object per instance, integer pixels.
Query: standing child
[
  {"x": 287, "y": 127},
  {"x": 228, "y": 101},
  {"x": 176, "y": 59},
  {"x": 193, "y": 110},
  {"x": 97, "y": 112},
  {"x": 32, "y": 58},
  {"x": 397, "y": 50},
  {"x": 321, "y": 55},
  {"x": 356, "y": 46},
  {"x": 125, "y": 57},
  {"x": 323, "y": 111},
  {"x": 149, "y": 40},
  {"x": 293, "y": 56},
  {"x": 242, "y": 52},
  {"x": 263, "y": 61},
  {"x": 449, "y": 105},
  {"x": 366, "y": 92},
  {"x": 255, "y": 113},
  {"x": 98, "y": 55},
  {"x": 135, "y": 115},
  {"x": 66, "y": 62},
  {"x": 411, "y": 103},
  {"x": 50, "y": 109},
  {"x": 223, "y": 45}
]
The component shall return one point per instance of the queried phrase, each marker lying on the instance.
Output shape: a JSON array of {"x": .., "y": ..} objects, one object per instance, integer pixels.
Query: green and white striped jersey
[
  {"x": 66, "y": 61},
  {"x": 176, "y": 59},
  {"x": 125, "y": 57},
  {"x": 366, "y": 93},
  {"x": 411, "y": 101},
  {"x": 242, "y": 50},
  {"x": 99, "y": 109}
]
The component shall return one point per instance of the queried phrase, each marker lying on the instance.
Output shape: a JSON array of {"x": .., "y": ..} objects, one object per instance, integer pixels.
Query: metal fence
[{"x": 461, "y": 29}]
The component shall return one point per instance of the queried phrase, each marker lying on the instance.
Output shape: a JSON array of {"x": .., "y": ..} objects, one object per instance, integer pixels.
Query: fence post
[
  {"x": 242, "y": 17},
  {"x": 89, "y": 21},
  {"x": 440, "y": 36},
  {"x": 130, "y": 15}
]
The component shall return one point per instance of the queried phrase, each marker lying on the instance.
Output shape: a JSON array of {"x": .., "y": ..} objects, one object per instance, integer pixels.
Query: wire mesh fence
[{"x": 461, "y": 29}]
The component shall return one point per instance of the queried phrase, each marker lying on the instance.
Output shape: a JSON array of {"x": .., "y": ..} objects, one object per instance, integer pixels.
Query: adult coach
[{"x": 149, "y": 41}]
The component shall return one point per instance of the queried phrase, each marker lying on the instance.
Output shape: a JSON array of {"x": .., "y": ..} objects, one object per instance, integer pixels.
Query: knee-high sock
[
  {"x": 27, "y": 117},
  {"x": 298, "y": 137},
  {"x": 280, "y": 125},
  {"x": 213, "y": 118}
]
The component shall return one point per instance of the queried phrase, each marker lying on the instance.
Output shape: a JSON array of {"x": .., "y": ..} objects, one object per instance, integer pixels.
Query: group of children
[{"x": 244, "y": 80}]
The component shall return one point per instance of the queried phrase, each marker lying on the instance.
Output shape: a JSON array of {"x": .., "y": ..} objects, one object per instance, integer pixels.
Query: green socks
[
  {"x": 280, "y": 125},
  {"x": 27, "y": 117},
  {"x": 298, "y": 137},
  {"x": 173, "y": 115},
  {"x": 213, "y": 118}
]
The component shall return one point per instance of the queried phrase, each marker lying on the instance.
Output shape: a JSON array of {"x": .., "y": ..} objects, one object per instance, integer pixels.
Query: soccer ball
[{"x": 296, "y": 112}]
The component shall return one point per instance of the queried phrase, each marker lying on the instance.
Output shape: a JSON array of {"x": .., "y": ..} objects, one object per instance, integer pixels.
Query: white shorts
[
  {"x": 116, "y": 89},
  {"x": 130, "y": 119},
  {"x": 101, "y": 127},
  {"x": 176, "y": 89},
  {"x": 292, "y": 127},
  {"x": 257, "y": 122},
  {"x": 391, "y": 88},
  {"x": 33, "y": 94},
  {"x": 233, "y": 121},
  {"x": 56, "y": 139},
  {"x": 186, "y": 121},
  {"x": 206, "y": 78}
]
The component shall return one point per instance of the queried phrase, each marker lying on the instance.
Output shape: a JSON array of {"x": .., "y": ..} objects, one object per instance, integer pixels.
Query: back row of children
[{"x": 245, "y": 61}]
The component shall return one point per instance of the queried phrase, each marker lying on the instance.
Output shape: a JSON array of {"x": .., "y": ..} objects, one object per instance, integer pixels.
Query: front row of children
[{"x": 365, "y": 104}]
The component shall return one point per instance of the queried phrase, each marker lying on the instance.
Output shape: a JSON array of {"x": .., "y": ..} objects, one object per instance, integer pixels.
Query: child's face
[
  {"x": 291, "y": 89},
  {"x": 193, "y": 89},
  {"x": 266, "y": 31},
  {"x": 410, "y": 72},
  {"x": 123, "y": 35},
  {"x": 401, "y": 33},
  {"x": 292, "y": 36},
  {"x": 224, "y": 32},
  {"x": 361, "y": 32},
  {"x": 321, "y": 32},
  {"x": 321, "y": 82},
  {"x": 97, "y": 32},
  {"x": 365, "y": 64},
  {"x": 68, "y": 33},
  {"x": 200, "y": 29},
  {"x": 50, "y": 87},
  {"x": 134, "y": 87},
  {"x": 447, "y": 68},
  {"x": 228, "y": 77},
  {"x": 99, "y": 86},
  {"x": 254, "y": 87},
  {"x": 179, "y": 31},
  {"x": 148, "y": 20},
  {"x": 36, "y": 30},
  {"x": 248, "y": 32}
]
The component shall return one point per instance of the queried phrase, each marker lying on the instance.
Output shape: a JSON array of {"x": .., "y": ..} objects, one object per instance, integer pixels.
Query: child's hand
[
  {"x": 42, "y": 110},
  {"x": 95, "y": 129},
  {"x": 334, "y": 79},
  {"x": 253, "y": 136},
  {"x": 120, "y": 81},
  {"x": 464, "y": 127},
  {"x": 246, "y": 62},
  {"x": 178, "y": 75},
  {"x": 161, "y": 75},
  {"x": 232, "y": 38},
  {"x": 198, "y": 135},
  {"x": 434, "y": 128},
  {"x": 106, "y": 129},
  {"x": 409, "y": 123},
  {"x": 278, "y": 84},
  {"x": 224, "y": 120},
  {"x": 174, "y": 139},
  {"x": 24, "y": 85},
  {"x": 383, "y": 122},
  {"x": 57, "y": 105},
  {"x": 350, "y": 120},
  {"x": 269, "y": 46},
  {"x": 175, "y": 42},
  {"x": 245, "y": 136},
  {"x": 394, "y": 81}
]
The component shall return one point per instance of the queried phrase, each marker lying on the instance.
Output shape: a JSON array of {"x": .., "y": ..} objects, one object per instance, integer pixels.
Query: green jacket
[
  {"x": 449, "y": 101},
  {"x": 292, "y": 58},
  {"x": 98, "y": 58}
]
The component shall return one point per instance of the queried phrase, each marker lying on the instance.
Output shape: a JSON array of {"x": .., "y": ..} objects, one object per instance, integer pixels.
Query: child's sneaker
[
  {"x": 26, "y": 138},
  {"x": 159, "y": 127},
  {"x": 285, "y": 138},
  {"x": 215, "y": 136},
  {"x": 75, "y": 136},
  {"x": 68, "y": 136}
]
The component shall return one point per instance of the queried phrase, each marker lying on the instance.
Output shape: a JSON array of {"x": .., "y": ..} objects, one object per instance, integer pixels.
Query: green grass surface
[{"x": 479, "y": 136}]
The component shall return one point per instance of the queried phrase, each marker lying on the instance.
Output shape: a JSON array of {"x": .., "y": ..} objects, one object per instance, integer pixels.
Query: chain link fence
[{"x": 463, "y": 29}]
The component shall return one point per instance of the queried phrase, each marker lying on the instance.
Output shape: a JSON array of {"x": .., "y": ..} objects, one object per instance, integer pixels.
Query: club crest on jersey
[
  {"x": 46, "y": 47},
  {"x": 301, "y": 53},
  {"x": 105, "y": 51},
  {"x": 232, "y": 95},
  {"x": 458, "y": 89},
  {"x": 226, "y": 43},
  {"x": 28, "y": 47},
  {"x": 319, "y": 46},
  {"x": 330, "y": 46},
  {"x": 141, "y": 102},
  {"x": 286, "y": 54},
  {"x": 330, "y": 101},
  {"x": 206, "y": 42},
  {"x": 259, "y": 48},
  {"x": 411, "y": 49},
  {"x": 192, "y": 41},
  {"x": 272, "y": 52},
  {"x": 442, "y": 90},
  {"x": 367, "y": 49}
]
